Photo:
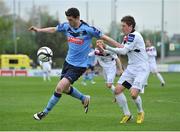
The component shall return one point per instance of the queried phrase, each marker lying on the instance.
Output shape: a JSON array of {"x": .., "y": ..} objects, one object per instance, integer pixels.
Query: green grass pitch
[{"x": 21, "y": 97}]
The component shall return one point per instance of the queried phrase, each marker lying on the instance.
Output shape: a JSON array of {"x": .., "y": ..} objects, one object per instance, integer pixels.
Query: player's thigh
[
  {"x": 139, "y": 83},
  {"x": 73, "y": 73},
  {"x": 153, "y": 67},
  {"x": 64, "y": 69},
  {"x": 63, "y": 85},
  {"x": 104, "y": 74},
  {"x": 126, "y": 79}
]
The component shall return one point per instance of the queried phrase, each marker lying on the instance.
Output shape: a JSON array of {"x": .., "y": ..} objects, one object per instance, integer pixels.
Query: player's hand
[
  {"x": 120, "y": 46},
  {"x": 35, "y": 29}
]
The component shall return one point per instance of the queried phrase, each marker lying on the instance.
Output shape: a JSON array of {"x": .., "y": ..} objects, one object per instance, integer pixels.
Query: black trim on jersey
[
  {"x": 82, "y": 22},
  {"x": 137, "y": 50},
  {"x": 101, "y": 54},
  {"x": 133, "y": 30},
  {"x": 78, "y": 34}
]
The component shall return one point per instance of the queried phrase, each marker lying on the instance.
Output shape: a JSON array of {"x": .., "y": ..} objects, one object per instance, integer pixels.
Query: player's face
[
  {"x": 100, "y": 44},
  {"x": 125, "y": 28},
  {"x": 73, "y": 21},
  {"x": 148, "y": 43}
]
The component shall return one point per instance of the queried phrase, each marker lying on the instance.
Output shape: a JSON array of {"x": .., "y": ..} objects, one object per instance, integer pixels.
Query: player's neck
[
  {"x": 130, "y": 31},
  {"x": 78, "y": 24}
]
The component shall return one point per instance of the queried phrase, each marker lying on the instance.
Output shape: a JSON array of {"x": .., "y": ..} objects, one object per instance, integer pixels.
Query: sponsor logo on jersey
[
  {"x": 131, "y": 37},
  {"x": 75, "y": 40}
]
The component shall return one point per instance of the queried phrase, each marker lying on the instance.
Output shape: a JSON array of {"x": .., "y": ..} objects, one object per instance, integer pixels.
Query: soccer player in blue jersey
[{"x": 79, "y": 36}]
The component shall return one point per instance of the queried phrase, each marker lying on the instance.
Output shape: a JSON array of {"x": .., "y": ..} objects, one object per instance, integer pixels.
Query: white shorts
[
  {"x": 136, "y": 75},
  {"x": 109, "y": 74},
  {"x": 46, "y": 68},
  {"x": 153, "y": 67}
]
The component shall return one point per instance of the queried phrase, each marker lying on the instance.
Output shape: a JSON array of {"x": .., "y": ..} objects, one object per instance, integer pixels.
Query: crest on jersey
[
  {"x": 131, "y": 37},
  {"x": 81, "y": 34}
]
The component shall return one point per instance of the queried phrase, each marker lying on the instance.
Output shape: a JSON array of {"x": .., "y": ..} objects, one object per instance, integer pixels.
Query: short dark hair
[
  {"x": 74, "y": 12},
  {"x": 129, "y": 20}
]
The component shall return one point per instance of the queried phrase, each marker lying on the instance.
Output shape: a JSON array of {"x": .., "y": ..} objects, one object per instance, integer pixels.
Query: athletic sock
[
  {"x": 52, "y": 102},
  {"x": 122, "y": 102},
  {"x": 76, "y": 94},
  {"x": 138, "y": 102}
]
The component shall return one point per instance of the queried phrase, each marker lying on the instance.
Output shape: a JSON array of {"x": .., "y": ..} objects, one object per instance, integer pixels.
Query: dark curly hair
[
  {"x": 74, "y": 12},
  {"x": 129, "y": 20}
]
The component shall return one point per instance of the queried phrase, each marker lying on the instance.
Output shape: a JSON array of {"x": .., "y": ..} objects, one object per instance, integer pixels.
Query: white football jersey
[
  {"x": 136, "y": 48},
  {"x": 107, "y": 59},
  {"x": 152, "y": 53},
  {"x": 46, "y": 65}
]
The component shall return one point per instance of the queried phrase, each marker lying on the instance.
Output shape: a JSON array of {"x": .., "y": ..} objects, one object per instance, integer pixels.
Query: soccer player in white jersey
[
  {"x": 46, "y": 67},
  {"x": 89, "y": 73},
  {"x": 108, "y": 61},
  {"x": 152, "y": 53},
  {"x": 135, "y": 75}
]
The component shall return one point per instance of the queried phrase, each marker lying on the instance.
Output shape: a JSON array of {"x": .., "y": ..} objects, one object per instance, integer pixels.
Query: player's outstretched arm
[
  {"x": 45, "y": 30},
  {"x": 111, "y": 41},
  {"x": 100, "y": 44},
  {"x": 121, "y": 51}
]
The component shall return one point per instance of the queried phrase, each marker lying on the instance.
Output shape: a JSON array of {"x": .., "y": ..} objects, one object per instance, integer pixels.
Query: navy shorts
[{"x": 72, "y": 73}]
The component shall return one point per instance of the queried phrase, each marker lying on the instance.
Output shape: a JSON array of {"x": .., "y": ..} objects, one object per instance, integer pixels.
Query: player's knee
[
  {"x": 63, "y": 85},
  {"x": 59, "y": 88},
  {"x": 134, "y": 94},
  {"x": 119, "y": 89},
  {"x": 108, "y": 85}
]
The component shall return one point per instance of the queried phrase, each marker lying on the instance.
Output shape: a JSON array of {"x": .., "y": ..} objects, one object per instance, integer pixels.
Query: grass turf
[{"x": 21, "y": 97}]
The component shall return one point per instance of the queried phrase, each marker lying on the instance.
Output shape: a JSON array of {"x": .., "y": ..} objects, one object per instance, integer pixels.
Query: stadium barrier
[
  {"x": 20, "y": 73},
  {"x": 168, "y": 67},
  {"x": 6, "y": 72},
  {"x": 30, "y": 73},
  {"x": 39, "y": 72},
  {"x": 57, "y": 72}
]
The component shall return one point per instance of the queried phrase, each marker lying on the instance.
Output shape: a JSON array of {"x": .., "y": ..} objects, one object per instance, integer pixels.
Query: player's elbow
[{"x": 53, "y": 30}]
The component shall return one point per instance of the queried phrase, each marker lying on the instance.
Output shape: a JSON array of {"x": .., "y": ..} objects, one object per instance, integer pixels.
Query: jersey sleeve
[
  {"x": 130, "y": 42},
  {"x": 94, "y": 32},
  {"x": 115, "y": 56},
  {"x": 154, "y": 51},
  {"x": 62, "y": 27}
]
